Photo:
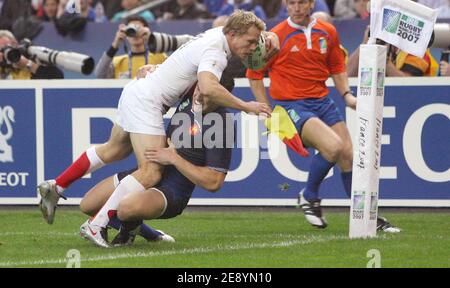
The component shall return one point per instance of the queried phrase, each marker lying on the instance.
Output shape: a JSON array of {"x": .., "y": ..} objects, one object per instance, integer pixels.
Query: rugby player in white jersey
[
  {"x": 193, "y": 159},
  {"x": 139, "y": 124}
]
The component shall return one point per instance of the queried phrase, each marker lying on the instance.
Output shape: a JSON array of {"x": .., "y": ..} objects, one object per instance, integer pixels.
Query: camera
[
  {"x": 11, "y": 54},
  {"x": 131, "y": 30},
  {"x": 442, "y": 35},
  {"x": 66, "y": 60},
  {"x": 161, "y": 42}
]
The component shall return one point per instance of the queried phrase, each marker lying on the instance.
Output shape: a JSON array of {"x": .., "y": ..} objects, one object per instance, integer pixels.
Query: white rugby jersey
[{"x": 208, "y": 51}]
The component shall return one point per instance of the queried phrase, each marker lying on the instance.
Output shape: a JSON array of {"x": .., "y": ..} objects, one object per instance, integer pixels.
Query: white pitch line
[
  {"x": 62, "y": 234},
  {"x": 305, "y": 241}
]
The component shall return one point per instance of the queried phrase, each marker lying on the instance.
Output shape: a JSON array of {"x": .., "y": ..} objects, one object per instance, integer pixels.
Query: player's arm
[
  {"x": 210, "y": 87},
  {"x": 341, "y": 84},
  {"x": 259, "y": 91},
  {"x": 202, "y": 176},
  {"x": 256, "y": 80}
]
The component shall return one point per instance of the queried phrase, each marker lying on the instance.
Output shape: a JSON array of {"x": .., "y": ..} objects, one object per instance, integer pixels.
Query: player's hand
[
  {"x": 120, "y": 36},
  {"x": 350, "y": 101},
  {"x": 144, "y": 70},
  {"x": 163, "y": 156},
  {"x": 272, "y": 45},
  {"x": 261, "y": 109}
]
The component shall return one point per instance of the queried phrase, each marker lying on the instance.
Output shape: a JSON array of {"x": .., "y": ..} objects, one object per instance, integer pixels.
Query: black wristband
[
  {"x": 111, "y": 51},
  {"x": 347, "y": 92}
]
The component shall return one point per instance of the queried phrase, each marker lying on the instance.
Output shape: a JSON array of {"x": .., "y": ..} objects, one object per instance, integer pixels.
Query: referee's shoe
[{"x": 312, "y": 211}]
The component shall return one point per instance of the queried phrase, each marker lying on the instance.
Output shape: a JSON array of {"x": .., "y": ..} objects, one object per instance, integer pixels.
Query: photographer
[
  {"x": 399, "y": 63},
  {"x": 126, "y": 66},
  {"x": 24, "y": 68}
]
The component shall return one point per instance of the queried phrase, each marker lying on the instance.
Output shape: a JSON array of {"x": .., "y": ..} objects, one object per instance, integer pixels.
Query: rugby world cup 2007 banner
[{"x": 46, "y": 125}]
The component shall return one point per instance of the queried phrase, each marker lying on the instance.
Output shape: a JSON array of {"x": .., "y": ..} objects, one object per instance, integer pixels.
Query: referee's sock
[{"x": 318, "y": 170}]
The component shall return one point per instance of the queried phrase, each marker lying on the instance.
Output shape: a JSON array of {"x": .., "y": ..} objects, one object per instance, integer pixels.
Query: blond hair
[
  {"x": 240, "y": 21},
  {"x": 7, "y": 34}
]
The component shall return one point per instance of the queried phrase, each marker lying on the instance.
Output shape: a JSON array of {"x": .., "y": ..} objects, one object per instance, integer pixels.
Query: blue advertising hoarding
[
  {"x": 17, "y": 143},
  {"x": 55, "y": 121}
]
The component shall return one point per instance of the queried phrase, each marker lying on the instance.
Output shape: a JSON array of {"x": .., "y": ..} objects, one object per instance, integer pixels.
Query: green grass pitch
[{"x": 232, "y": 239}]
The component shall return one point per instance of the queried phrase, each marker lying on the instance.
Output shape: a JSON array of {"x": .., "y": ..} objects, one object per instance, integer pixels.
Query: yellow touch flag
[{"x": 281, "y": 124}]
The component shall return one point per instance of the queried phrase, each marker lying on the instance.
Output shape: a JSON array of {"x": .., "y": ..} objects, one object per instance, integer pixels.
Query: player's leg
[
  {"x": 147, "y": 175},
  {"x": 96, "y": 198},
  {"x": 147, "y": 205},
  {"x": 118, "y": 147},
  {"x": 136, "y": 207}
]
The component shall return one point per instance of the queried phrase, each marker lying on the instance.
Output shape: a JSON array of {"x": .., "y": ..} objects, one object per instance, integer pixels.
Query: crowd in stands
[
  {"x": 23, "y": 18},
  {"x": 114, "y": 10}
]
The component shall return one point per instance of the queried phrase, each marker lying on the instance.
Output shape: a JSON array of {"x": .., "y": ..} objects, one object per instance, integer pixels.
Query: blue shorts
[
  {"x": 176, "y": 203},
  {"x": 301, "y": 110},
  {"x": 176, "y": 188}
]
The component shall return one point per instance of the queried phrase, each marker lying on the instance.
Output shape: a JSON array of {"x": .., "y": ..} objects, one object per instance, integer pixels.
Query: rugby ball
[{"x": 255, "y": 61}]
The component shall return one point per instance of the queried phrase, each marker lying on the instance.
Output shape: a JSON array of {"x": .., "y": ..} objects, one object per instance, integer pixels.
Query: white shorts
[{"x": 140, "y": 110}]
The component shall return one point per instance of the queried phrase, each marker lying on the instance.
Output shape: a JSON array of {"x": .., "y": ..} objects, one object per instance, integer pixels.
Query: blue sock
[
  {"x": 148, "y": 232},
  {"x": 317, "y": 172},
  {"x": 145, "y": 231},
  {"x": 114, "y": 223},
  {"x": 347, "y": 181}
]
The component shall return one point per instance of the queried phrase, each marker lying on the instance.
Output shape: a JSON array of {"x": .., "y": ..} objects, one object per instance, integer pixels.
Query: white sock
[
  {"x": 116, "y": 180},
  {"x": 95, "y": 161},
  {"x": 128, "y": 185},
  {"x": 59, "y": 189}
]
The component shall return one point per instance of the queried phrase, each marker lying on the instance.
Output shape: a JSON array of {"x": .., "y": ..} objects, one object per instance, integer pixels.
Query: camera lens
[
  {"x": 131, "y": 30},
  {"x": 161, "y": 42},
  {"x": 12, "y": 55}
]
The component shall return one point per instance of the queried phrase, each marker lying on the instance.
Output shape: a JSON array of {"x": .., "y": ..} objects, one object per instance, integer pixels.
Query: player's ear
[
  {"x": 169, "y": 143},
  {"x": 233, "y": 33}
]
